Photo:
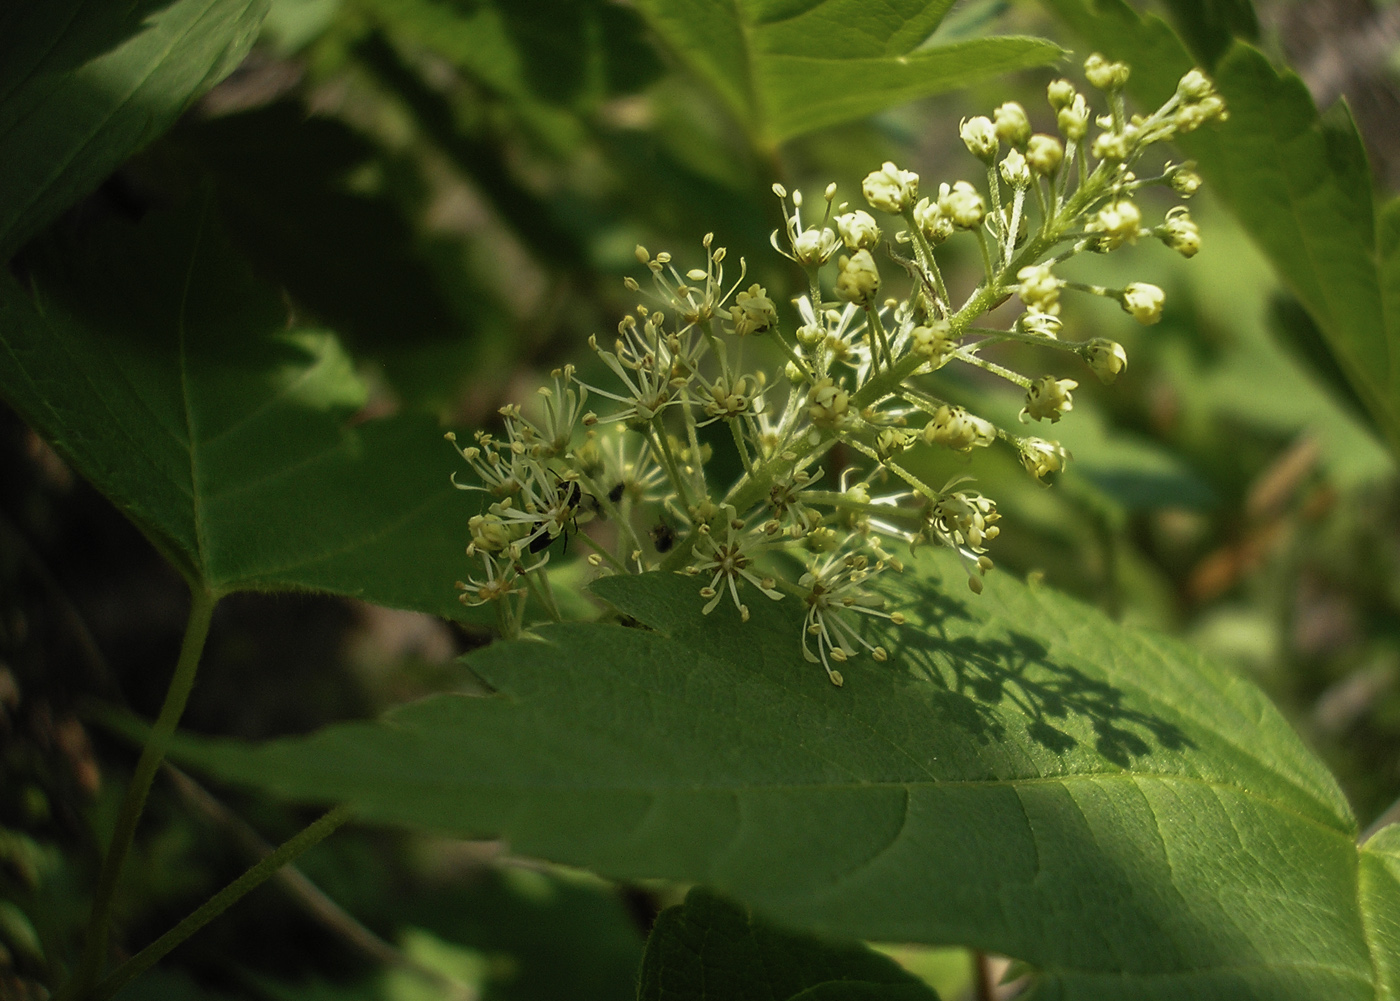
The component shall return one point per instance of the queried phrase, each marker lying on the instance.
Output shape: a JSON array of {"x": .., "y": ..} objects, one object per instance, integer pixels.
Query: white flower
[
  {"x": 1195, "y": 86},
  {"x": 721, "y": 399},
  {"x": 1190, "y": 117},
  {"x": 1185, "y": 182},
  {"x": 890, "y": 189},
  {"x": 834, "y": 587},
  {"x": 1060, "y": 93},
  {"x": 1033, "y": 321},
  {"x": 1073, "y": 119},
  {"x": 1104, "y": 74},
  {"x": 1049, "y": 397},
  {"x": 933, "y": 341},
  {"x": 502, "y": 580},
  {"x": 827, "y": 403},
  {"x": 1144, "y": 301},
  {"x": 1042, "y": 458},
  {"x": 490, "y": 533},
  {"x": 814, "y": 246},
  {"x": 753, "y": 312},
  {"x": 730, "y": 562},
  {"x": 1113, "y": 145}
]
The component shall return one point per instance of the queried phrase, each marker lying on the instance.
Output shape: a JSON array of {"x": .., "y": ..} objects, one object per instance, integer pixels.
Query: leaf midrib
[{"x": 907, "y": 785}]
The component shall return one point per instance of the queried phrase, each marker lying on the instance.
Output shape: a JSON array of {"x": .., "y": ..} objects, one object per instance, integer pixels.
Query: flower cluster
[{"x": 860, "y": 373}]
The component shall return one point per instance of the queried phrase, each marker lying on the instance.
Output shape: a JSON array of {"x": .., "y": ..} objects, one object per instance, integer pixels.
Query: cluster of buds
[{"x": 860, "y": 372}]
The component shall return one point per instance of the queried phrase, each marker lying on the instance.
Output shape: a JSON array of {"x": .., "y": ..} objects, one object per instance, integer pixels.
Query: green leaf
[
  {"x": 159, "y": 367},
  {"x": 86, "y": 83},
  {"x": 1209, "y": 26},
  {"x": 350, "y": 256},
  {"x": 1298, "y": 182},
  {"x": 708, "y": 949},
  {"x": 785, "y": 67},
  {"x": 1023, "y": 776}
]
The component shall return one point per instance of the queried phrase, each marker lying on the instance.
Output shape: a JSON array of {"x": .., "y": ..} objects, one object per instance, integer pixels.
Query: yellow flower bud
[
  {"x": 890, "y": 189},
  {"x": 1144, "y": 302},
  {"x": 1044, "y": 154}
]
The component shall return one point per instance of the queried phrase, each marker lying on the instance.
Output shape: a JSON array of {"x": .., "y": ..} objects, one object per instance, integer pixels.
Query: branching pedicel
[{"x": 855, "y": 375}]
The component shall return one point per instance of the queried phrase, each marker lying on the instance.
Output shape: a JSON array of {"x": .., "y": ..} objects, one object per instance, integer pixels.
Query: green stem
[
  {"x": 1018, "y": 202},
  {"x": 924, "y": 251},
  {"x": 881, "y": 343},
  {"x": 504, "y": 621},
  {"x": 220, "y": 902},
  {"x": 738, "y": 433},
  {"x": 796, "y": 359},
  {"x": 543, "y": 593},
  {"x": 1092, "y": 289},
  {"x": 157, "y": 743},
  {"x": 986, "y": 257},
  {"x": 836, "y": 499},
  {"x": 993, "y": 336},
  {"x": 993, "y": 367},
  {"x": 672, "y": 467},
  {"x": 745, "y": 494},
  {"x": 994, "y": 186},
  {"x": 919, "y": 485}
]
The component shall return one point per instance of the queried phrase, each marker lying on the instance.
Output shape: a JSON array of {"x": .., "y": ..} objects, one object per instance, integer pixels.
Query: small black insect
[
  {"x": 570, "y": 495},
  {"x": 663, "y": 537},
  {"x": 615, "y": 494}
]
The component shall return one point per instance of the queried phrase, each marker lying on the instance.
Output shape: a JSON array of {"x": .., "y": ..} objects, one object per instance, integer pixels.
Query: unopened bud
[
  {"x": 859, "y": 280},
  {"x": 1044, "y": 154},
  {"x": 980, "y": 137},
  {"x": 1106, "y": 358},
  {"x": 1185, "y": 182},
  {"x": 1180, "y": 232},
  {"x": 1012, "y": 125},
  {"x": 962, "y": 204},
  {"x": 932, "y": 222},
  {"x": 890, "y": 189},
  {"x": 1073, "y": 119},
  {"x": 1015, "y": 171},
  {"x": 1060, "y": 93},
  {"x": 858, "y": 230},
  {"x": 1105, "y": 75},
  {"x": 1144, "y": 302}
]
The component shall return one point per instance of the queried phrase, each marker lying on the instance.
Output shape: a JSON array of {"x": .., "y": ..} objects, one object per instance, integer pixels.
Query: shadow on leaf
[{"x": 977, "y": 674}]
